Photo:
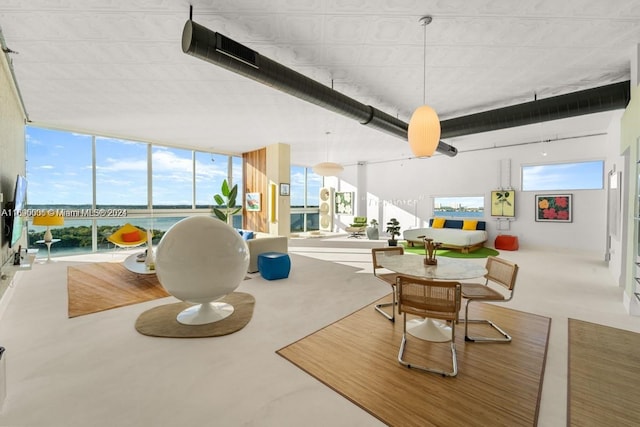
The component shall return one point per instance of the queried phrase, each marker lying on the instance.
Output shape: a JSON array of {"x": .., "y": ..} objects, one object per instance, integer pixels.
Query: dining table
[{"x": 446, "y": 269}]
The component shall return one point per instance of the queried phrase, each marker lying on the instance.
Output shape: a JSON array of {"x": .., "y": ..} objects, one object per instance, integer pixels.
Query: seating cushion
[
  {"x": 438, "y": 223},
  {"x": 132, "y": 236},
  {"x": 359, "y": 221},
  {"x": 469, "y": 224},
  {"x": 457, "y": 224}
]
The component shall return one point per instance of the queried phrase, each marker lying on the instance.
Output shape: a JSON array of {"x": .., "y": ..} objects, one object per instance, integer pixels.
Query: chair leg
[
  {"x": 393, "y": 304},
  {"x": 506, "y": 339},
  {"x": 454, "y": 359}
]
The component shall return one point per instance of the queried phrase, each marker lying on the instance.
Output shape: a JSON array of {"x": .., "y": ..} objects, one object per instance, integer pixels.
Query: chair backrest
[
  {"x": 428, "y": 298},
  {"x": 502, "y": 272},
  {"x": 391, "y": 250}
]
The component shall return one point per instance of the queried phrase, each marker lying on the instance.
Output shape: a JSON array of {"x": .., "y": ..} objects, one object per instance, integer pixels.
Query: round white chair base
[
  {"x": 201, "y": 314},
  {"x": 429, "y": 330}
]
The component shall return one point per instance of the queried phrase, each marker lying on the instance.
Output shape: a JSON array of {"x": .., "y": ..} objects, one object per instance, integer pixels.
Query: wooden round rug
[{"x": 161, "y": 321}]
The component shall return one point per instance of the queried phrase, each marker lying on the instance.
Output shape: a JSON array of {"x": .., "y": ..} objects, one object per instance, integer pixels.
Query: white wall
[
  {"x": 404, "y": 190},
  {"x": 12, "y": 152}
]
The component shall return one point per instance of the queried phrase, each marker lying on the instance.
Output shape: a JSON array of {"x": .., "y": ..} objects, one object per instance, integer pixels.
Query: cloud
[{"x": 119, "y": 165}]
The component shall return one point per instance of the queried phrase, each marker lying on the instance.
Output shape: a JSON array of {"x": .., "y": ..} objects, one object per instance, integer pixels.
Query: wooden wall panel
[{"x": 254, "y": 166}]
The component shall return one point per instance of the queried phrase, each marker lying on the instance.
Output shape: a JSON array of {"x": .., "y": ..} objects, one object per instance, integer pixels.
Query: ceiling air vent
[{"x": 235, "y": 50}]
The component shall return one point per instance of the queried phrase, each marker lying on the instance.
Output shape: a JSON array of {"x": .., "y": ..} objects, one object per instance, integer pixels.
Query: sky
[
  {"x": 563, "y": 176},
  {"x": 59, "y": 171}
]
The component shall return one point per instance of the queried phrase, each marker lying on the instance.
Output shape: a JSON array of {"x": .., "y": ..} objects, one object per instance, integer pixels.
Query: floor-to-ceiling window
[
  {"x": 60, "y": 174},
  {"x": 86, "y": 176},
  {"x": 172, "y": 178},
  {"x": 210, "y": 172},
  {"x": 305, "y": 191}
]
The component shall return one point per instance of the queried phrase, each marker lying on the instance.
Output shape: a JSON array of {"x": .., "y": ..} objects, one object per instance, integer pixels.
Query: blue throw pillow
[{"x": 247, "y": 235}]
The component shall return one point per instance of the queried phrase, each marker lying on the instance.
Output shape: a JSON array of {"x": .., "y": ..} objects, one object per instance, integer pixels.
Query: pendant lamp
[
  {"x": 327, "y": 168},
  {"x": 424, "y": 127}
]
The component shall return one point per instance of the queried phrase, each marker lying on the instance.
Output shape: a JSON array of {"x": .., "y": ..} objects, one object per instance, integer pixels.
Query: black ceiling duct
[
  {"x": 218, "y": 49},
  {"x": 605, "y": 98},
  {"x": 214, "y": 47}
]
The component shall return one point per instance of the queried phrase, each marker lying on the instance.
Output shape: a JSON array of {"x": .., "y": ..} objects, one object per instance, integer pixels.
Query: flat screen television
[{"x": 14, "y": 221}]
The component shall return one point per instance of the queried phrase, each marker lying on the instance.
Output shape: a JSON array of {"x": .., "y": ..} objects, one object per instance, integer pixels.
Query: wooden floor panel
[
  {"x": 604, "y": 373},
  {"x": 497, "y": 384}
]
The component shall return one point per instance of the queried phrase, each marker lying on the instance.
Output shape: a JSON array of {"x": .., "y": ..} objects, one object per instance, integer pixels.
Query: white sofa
[
  {"x": 265, "y": 243},
  {"x": 451, "y": 236}
]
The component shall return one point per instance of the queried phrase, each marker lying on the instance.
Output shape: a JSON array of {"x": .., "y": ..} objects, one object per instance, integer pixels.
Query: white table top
[
  {"x": 446, "y": 269},
  {"x": 131, "y": 263}
]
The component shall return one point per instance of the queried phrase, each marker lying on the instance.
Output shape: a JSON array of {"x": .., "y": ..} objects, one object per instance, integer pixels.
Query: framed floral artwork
[
  {"x": 344, "y": 203},
  {"x": 554, "y": 208}
]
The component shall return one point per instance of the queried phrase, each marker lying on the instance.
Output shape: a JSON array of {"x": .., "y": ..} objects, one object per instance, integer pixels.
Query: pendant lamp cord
[
  {"x": 424, "y": 66},
  {"x": 326, "y": 142},
  {"x": 424, "y": 21}
]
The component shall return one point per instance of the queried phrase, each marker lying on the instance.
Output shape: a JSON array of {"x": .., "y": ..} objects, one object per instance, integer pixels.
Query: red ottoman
[{"x": 506, "y": 242}]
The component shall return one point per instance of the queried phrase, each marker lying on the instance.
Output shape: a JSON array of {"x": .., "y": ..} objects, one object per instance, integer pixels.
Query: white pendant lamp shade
[
  {"x": 424, "y": 127},
  {"x": 424, "y": 131},
  {"x": 327, "y": 169}
]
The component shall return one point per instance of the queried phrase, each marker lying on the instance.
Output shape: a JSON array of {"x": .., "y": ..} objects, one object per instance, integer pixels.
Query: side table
[
  {"x": 131, "y": 263},
  {"x": 48, "y": 243}
]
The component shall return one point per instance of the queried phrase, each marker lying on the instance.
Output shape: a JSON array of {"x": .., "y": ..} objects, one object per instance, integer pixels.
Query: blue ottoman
[{"x": 274, "y": 265}]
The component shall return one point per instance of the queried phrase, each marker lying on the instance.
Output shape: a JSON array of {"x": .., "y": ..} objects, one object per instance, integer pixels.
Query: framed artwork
[
  {"x": 554, "y": 208},
  {"x": 344, "y": 203},
  {"x": 503, "y": 203},
  {"x": 284, "y": 189},
  {"x": 253, "y": 202}
]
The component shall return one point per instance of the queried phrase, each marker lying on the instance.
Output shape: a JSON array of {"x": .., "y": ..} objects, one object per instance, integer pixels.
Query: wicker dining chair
[
  {"x": 499, "y": 272},
  {"x": 429, "y": 299},
  {"x": 389, "y": 278}
]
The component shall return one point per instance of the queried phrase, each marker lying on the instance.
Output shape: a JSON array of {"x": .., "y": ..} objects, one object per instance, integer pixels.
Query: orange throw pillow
[
  {"x": 132, "y": 236},
  {"x": 438, "y": 223},
  {"x": 469, "y": 225}
]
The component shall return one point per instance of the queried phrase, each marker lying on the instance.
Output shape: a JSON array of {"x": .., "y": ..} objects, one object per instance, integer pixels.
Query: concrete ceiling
[{"x": 116, "y": 67}]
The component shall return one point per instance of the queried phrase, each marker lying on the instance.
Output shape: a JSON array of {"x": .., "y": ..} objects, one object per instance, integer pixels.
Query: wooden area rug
[
  {"x": 604, "y": 373},
  {"x": 161, "y": 321},
  {"x": 497, "y": 384},
  {"x": 105, "y": 285}
]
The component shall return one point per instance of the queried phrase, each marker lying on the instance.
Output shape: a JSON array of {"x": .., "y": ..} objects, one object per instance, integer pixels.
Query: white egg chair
[{"x": 201, "y": 259}]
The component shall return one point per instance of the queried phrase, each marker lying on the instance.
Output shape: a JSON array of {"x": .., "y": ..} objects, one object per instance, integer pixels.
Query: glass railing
[{"x": 77, "y": 235}]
